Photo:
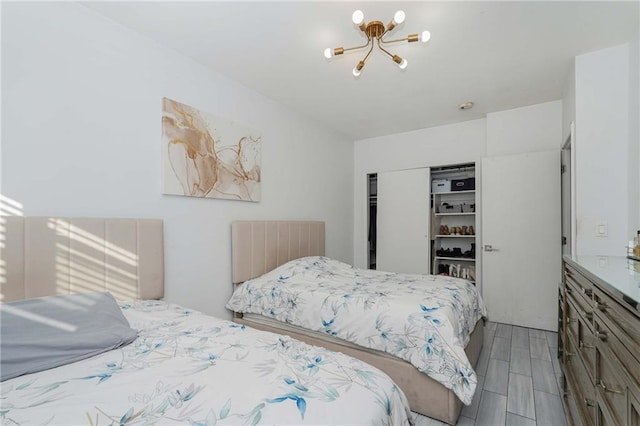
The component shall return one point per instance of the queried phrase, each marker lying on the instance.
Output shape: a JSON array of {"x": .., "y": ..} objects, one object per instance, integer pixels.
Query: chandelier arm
[
  {"x": 368, "y": 53},
  {"x": 385, "y": 51},
  {"x": 388, "y": 29},
  {"x": 394, "y": 41},
  {"x": 346, "y": 49}
]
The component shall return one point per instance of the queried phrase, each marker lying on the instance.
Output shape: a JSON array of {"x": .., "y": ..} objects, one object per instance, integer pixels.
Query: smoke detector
[{"x": 466, "y": 105}]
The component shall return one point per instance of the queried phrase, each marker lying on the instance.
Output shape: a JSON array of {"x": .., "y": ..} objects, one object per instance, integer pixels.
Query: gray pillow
[{"x": 46, "y": 332}]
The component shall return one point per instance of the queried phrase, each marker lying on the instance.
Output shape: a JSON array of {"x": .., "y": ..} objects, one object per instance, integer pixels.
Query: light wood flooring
[{"x": 518, "y": 380}]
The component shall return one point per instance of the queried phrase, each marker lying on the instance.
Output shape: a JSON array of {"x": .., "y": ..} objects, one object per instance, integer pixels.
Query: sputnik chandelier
[{"x": 375, "y": 32}]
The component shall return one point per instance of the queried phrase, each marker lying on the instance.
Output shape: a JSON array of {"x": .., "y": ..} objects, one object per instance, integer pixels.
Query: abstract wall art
[{"x": 208, "y": 157}]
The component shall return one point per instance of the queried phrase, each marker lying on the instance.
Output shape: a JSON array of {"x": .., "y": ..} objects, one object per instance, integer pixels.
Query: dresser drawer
[
  {"x": 610, "y": 383},
  {"x": 580, "y": 385},
  {"x": 628, "y": 366},
  {"x": 584, "y": 285},
  {"x": 584, "y": 304},
  {"x": 582, "y": 334},
  {"x": 623, "y": 323},
  {"x": 574, "y": 320},
  {"x": 603, "y": 415},
  {"x": 587, "y": 350}
]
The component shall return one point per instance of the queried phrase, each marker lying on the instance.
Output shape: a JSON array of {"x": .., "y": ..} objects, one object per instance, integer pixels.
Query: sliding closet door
[
  {"x": 403, "y": 221},
  {"x": 521, "y": 263}
]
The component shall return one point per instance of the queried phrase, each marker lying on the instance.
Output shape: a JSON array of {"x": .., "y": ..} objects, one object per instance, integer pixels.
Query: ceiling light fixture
[{"x": 375, "y": 32}]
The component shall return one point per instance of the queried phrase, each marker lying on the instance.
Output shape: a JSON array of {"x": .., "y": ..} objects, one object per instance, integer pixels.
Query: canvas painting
[{"x": 207, "y": 156}]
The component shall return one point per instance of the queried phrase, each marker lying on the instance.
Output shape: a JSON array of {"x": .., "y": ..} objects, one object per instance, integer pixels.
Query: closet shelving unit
[{"x": 453, "y": 220}]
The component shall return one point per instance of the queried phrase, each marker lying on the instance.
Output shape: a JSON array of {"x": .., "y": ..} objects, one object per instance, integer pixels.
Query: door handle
[{"x": 489, "y": 247}]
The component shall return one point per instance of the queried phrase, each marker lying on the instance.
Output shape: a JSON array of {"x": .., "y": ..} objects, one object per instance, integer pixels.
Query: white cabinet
[{"x": 454, "y": 229}]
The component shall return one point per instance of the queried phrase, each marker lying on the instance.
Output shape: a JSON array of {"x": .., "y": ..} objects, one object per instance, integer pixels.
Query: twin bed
[
  {"x": 284, "y": 285},
  {"x": 183, "y": 366}
]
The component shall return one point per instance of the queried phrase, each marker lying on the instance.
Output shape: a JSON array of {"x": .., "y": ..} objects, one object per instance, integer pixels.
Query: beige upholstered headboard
[
  {"x": 261, "y": 246},
  {"x": 43, "y": 256}
]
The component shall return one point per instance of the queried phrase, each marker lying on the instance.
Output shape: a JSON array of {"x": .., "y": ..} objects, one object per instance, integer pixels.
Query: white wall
[
  {"x": 527, "y": 129},
  {"x": 81, "y": 137},
  {"x": 602, "y": 150}
]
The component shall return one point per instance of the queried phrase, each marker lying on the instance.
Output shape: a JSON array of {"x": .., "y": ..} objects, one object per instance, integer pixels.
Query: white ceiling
[{"x": 500, "y": 55}]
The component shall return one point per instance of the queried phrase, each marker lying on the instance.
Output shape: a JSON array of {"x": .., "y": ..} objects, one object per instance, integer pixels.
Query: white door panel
[
  {"x": 521, "y": 221},
  {"x": 403, "y": 221}
]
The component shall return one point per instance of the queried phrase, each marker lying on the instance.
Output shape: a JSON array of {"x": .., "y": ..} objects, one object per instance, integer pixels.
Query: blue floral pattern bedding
[
  {"x": 424, "y": 319},
  {"x": 190, "y": 368}
]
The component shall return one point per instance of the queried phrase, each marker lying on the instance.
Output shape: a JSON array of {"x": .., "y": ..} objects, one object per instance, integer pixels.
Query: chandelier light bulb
[
  {"x": 356, "y": 72},
  {"x": 358, "y": 17},
  {"x": 425, "y": 36},
  {"x": 402, "y": 65},
  {"x": 398, "y": 17},
  {"x": 328, "y": 53}
]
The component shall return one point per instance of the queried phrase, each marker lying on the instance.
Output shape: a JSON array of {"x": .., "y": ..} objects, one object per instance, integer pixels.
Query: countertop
[{"x": 620, "y": 274}]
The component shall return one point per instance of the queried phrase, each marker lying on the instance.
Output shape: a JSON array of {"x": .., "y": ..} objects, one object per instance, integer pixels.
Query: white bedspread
[
  {"x": 424, "y": 319},
  {"x": 190, "y": 368}
]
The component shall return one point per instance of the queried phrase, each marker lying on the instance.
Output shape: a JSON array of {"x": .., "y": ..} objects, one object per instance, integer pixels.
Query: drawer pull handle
[
  {"x": 587, "y": 292},
  {"x": 602, "y": 335},
  {"x": 570, "y": 353},
  {"x": 587, "y": 315},
  {"x": 607, "y": 389},
  {"x": 585, "y": 346},
  {"x": 568, "y": 290},
  {"x": 602, "y": 306},
  {"x": 589, "y": 402}
]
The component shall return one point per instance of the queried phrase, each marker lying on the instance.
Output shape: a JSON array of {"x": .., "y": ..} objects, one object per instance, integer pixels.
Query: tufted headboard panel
[{"x": 43, "y": 256}]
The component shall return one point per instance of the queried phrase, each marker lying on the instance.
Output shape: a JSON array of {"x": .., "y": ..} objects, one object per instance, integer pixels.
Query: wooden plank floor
[{"x": 518, "y": 380}]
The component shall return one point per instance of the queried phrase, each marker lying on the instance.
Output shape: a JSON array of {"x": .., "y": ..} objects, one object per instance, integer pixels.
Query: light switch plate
[{"x": 601, "y": 229}]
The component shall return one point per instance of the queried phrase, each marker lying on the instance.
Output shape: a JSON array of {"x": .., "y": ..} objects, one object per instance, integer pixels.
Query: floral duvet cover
[
  {"x": 424, "y": 319},
  {"x": 189, "y": 368}
]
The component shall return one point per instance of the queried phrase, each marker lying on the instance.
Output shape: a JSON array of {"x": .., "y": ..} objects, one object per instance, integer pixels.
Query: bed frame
[
  {"x": 260, "y": 246},
  {"x": 45, "y": 256}
]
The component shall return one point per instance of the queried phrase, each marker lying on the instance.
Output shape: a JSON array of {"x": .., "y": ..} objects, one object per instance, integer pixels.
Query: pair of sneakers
[{"x": 454, "y": 252}]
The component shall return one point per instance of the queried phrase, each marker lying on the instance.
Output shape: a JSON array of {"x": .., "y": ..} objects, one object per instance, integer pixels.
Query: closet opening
[{"x": 372, "y": 196}]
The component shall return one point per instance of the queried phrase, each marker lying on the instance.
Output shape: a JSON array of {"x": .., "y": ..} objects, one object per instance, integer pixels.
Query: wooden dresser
[{"x": 600, "y": 340}]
